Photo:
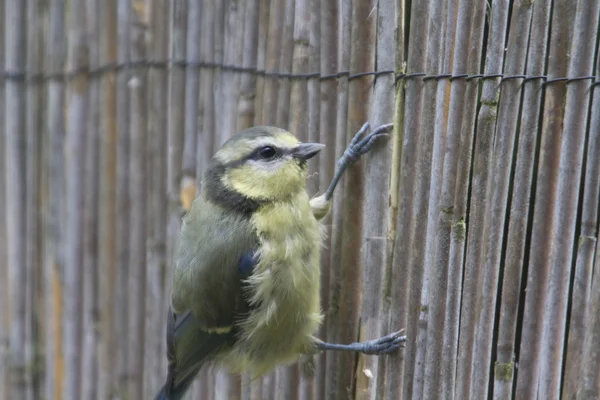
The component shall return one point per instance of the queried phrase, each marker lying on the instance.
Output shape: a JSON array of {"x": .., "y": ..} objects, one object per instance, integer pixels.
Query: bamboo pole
[
  {"x": 272, "y": 59},
  {"x": 261, "y": 58},
  {"x": 123, "y": 206},
  {"x": 33, "y": 206},
  {"x": 285, "y": 65},
  {"x": 581, "y": 354},
  {"x": 156, "y": 298},
  {"x": 327, "y": 126},
  {"x": 107, "y": 206},
  {"x": 369, "y": 376},
  {"x": 90, "y": 338},
  {"x": 191, "y": 53},
  {"x": 313, "y": 23},
  {"x": 138, "y": 184},
  {"x": 584, "y": 20},
  {"x": 55, "y": 212},
  {"x": 14, "y": 156},
  {"x": 77, "y": 110},
  {"x": 545, "y": 227},
  {"x": 334, "y": 328},
  {"x": 507, "y": 125},
  {"x": 246, "y": 103},
  {"x": 4, "y": 313}
]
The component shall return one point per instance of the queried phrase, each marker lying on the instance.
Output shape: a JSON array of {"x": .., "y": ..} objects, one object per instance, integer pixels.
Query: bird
[{"x": 246, "y": 276}]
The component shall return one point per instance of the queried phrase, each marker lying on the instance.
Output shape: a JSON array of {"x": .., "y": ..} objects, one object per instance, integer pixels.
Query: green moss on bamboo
[
  {"x": 504, "y": 371},
  {"x": 460, "y": 230}
]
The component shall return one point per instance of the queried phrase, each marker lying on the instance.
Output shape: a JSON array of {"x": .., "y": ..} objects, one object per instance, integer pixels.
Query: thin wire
[{"x": 99, "y": 71}]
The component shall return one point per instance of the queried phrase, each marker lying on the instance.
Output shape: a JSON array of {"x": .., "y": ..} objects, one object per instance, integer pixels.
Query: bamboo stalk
[
  {"x": 191, "y": 53},
  {"x": 4, "y": 313},
  {"x": 123, "y": 206},
  {"x": 274, "y": 40},
  {"x": 33, "y": 218},
  {"x": 107, "y": 207},
  {"x": 584, "y": 20},
  {"x": 246, "y": 103},
  {"x": 334, "y": 328},
  {"x": 511, "y": 284},
  {"x": 138, "y": 184},
  {"x": 375, "y": 212},
  {"x": 545, "y": 227},
  {"x": 14, "y": 156},
  {"x": 581, "y": 354},
  {"x": 285, "y": 65},
  {"x": 90, "y": 339},
  {"x": 54, "y": 212},
  {"x": 327, "y": 126},
  {"x": 261, "y": 58},
  {"x": 156, "y": 298},
  {"x": 313, "y": 23},
  {"x": 77, "y": 109}
]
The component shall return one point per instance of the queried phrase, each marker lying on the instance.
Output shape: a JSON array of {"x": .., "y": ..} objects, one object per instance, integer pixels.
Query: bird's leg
[
  {"x": 383, "y": 345},
  {"x": 358, "y": 146}
]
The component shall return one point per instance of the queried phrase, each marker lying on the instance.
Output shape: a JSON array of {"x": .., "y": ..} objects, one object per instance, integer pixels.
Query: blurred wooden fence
[{"x": 475, "y": 226}]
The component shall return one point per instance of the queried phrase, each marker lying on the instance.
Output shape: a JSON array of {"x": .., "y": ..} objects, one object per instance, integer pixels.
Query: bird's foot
[
  {"x": 383, "y": 345},
  {"x": 360, "y": 145}
]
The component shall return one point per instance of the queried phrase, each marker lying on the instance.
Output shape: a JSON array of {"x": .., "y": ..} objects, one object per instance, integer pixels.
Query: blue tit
[{"x": 246, "y": 278}]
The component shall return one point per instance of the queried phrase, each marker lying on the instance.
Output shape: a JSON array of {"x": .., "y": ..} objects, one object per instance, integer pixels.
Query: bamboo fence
[{"x": 474, "y": 226}]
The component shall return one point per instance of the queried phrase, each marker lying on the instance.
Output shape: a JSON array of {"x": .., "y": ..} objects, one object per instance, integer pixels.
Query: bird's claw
[
  {"x": 385, "y": 344},
  {"x": 360, "y": 145}
]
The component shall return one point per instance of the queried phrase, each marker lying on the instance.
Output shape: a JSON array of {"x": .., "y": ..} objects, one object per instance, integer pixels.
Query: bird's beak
[{"x": 307, "y": 150}]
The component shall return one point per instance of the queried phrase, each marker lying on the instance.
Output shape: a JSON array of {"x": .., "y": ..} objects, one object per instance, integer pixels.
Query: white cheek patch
[{"x": 268, "y": 166}]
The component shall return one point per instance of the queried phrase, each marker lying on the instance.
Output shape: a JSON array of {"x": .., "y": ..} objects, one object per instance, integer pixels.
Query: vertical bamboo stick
[
  {"x": 205, "y": 138},
  {"x": 4, "y": 314},
  {"x": 14, "y": 156},
  {"x": 329, "y": 12},
  {"x": 123, "y": 210},
  {"x": 507, "y": 125},
  {"x": 138, "y": 184},
  {"x": 375, "y": 213},
  {"x": 191, "y": 53},
  {"x": 334, "y": 328},
  {"x": 544, "y": 238},
  {"x": 91, "y": 273},
  {"x": 584, "y": 19},
  {"x": 580, "y": 324},
  {"x": 55, "y": 212},
  {"x": 33, "y": 126},
  {"x": 175, "y": 133},
  {"x": 286, "y": 63},
  {"x": 246, "y": 103},
  {"x": 107, "y": 206},
  {"x": 390, "y": 379},
  {"x": 261, "y": 56},
  {"x": 154, "y": 357},
  {"x": 77, "y": 109},
  {"x": 274, "y": 37}
]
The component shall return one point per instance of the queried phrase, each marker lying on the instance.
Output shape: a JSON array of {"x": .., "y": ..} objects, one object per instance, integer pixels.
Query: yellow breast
[{"x": 285, "y": 284}]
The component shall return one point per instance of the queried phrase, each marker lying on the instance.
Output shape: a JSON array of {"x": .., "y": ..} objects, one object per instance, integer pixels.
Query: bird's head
[{"x": 258, "y": 165}]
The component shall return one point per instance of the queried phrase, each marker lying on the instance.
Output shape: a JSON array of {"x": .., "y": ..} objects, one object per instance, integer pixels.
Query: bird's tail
[{"x": 189, "y": 348}]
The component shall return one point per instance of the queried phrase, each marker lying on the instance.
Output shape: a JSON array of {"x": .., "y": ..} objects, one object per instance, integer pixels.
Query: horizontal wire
[{"x": 98, "y": 71}]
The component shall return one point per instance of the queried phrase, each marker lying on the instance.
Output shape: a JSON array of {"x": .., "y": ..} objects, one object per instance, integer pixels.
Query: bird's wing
[{"x": 190, "y": 345}]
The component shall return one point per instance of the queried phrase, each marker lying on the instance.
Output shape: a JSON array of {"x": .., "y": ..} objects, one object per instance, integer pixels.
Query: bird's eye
[{"x": 267, "y": 152}]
